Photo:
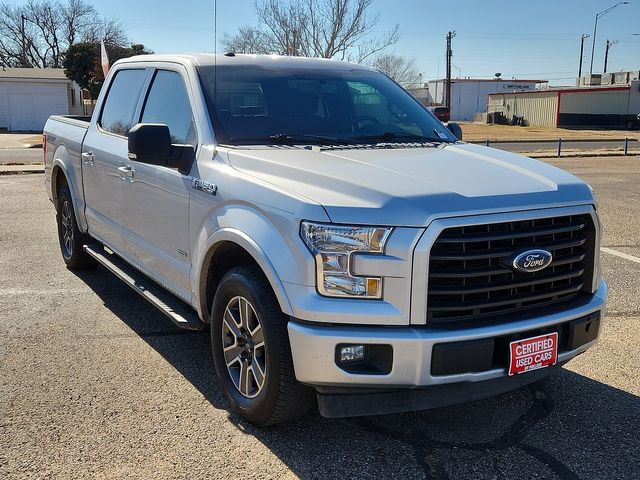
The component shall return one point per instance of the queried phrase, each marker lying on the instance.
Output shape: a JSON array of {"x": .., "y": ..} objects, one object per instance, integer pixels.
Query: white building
[
  {"x": 470, "y": 95},
  {"x": 29, "y": 95}
]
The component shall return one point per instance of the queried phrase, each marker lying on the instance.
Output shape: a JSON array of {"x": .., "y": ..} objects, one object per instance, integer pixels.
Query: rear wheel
[
  {"x": 70, "y": 238},
  {"x": 251, "y": 350}
]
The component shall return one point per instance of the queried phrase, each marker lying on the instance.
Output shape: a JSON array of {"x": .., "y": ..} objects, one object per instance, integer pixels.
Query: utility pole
[
  {"x": 582, "y": 37},
  {"x": 606, "y": 53},
  {"x": 24, "y": 42},
  {"x": 449, "y": 54}
]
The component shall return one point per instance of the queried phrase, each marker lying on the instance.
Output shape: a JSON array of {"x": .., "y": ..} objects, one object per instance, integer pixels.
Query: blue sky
[{"x": 522, "y": 39}]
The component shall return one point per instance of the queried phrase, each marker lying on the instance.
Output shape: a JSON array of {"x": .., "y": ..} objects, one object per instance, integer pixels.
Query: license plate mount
[{"x": 533, "y": 353}]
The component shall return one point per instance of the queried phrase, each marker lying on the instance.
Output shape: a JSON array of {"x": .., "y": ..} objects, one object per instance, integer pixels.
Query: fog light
[{"x": 352, "y": 353}]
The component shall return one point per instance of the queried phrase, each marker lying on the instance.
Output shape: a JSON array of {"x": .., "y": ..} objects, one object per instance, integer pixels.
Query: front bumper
[
  {"x": 314, "y": 348},
  {"x": 359, "y": 402}
]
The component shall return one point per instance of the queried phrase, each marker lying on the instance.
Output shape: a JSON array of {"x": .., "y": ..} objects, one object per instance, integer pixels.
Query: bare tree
[
  {"x": 107, "y": 29},
  {"x": 78, "y": 17},
  {"x": 286, "y": 26},
  {"x": 342, "y": 29},
  {"x": 38, "y": 33},
  {"x": 248, "y": 39},
  {"x": 402, "y": 69},
  {"x": 15, "y": 37}
]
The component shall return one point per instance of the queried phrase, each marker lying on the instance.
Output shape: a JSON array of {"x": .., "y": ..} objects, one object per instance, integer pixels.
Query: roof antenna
[
  {"x": 215, "y": 52},
  {"x": 215, "y": 27}
]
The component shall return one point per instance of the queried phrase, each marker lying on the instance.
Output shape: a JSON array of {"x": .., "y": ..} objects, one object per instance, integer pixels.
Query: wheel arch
[
  {"x": 62, "y": 174},
  {"x": 228, "y": 248},
  {"x": 58, "y": 179}
]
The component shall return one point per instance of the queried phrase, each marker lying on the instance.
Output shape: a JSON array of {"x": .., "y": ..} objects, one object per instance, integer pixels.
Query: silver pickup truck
[{"x": 342, "y": 244}]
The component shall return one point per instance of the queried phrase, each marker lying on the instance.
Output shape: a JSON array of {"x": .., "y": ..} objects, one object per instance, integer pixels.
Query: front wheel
[{"x": 251, "y": 350}]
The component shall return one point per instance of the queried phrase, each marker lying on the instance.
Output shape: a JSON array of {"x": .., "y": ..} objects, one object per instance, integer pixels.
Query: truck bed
[{"x": 77, "y": 120}]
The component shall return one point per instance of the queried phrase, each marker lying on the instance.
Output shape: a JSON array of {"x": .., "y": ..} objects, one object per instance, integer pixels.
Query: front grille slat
[
  {"x": 495, "y": 286},
  {"x": 470, "y": 274},
  {"x": 507, "y": 236},
  {"x": 453, "y": 306},
  {"x": 460, "y": 273},
  {"x": 472, "y": 255}
]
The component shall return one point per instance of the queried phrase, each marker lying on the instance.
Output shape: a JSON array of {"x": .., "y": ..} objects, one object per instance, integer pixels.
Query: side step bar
[{"x": 179, "y": 312}]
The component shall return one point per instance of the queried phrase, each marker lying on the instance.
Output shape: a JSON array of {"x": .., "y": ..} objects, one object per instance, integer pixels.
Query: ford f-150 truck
[{"x": 342, "y": 244}]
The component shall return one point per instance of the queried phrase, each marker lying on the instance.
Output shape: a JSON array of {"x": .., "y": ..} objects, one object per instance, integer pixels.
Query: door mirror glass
[
  {"x": 455, "y": 129},
  {"x": 151, "y": 143}
]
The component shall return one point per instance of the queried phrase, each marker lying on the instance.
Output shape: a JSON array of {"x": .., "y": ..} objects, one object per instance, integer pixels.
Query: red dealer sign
[{"x": 533, "y": 353}]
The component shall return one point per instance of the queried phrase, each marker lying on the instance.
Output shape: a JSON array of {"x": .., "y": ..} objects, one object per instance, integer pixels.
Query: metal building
[
  {"x": 469, "y": 95},
  {"x": 566, "y": 107}
]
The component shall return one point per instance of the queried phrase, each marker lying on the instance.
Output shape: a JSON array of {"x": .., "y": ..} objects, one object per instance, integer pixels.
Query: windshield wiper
[
  {"x": 393, "y": 137},
  {"x": 291, "y": 138}
]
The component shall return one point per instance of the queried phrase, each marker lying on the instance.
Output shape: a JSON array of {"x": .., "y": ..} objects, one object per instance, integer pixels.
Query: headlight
[
  {"x": 333, "y": 246},
  {"x": 593, "y": 194}
]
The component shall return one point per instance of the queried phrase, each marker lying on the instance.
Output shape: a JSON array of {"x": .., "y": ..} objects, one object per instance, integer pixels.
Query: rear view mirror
[
  {"x": 151, "y": 143},
  {"x": 455, "y": 129}
]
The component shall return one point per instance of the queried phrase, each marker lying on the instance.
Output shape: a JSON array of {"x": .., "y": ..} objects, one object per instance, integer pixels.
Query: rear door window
[
  {"x": 168, "y": 103},
  {"x": 122, "y": 99}
]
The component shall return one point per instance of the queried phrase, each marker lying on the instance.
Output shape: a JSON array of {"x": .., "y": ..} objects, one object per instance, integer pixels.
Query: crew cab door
[
  {"x": 104, "y": 152},
  {"x": 156, "y": 198}
]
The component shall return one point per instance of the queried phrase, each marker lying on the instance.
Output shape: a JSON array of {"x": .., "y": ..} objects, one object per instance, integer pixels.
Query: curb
[{"x": 21, "y": 169}]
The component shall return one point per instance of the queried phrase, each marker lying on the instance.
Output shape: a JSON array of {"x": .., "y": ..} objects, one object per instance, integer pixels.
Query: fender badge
[{"x": 205, "y": 187}]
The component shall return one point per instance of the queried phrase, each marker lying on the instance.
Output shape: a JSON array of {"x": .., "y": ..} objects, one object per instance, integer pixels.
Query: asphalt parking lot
[{"x": 95, "y": 383}]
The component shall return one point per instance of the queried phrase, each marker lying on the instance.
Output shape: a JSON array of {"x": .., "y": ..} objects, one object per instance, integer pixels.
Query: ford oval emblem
[{"x": 532, "y": 260}]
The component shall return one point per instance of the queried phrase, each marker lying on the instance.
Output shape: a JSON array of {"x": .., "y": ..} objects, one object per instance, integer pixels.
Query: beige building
[
  {"x": 567, "y": 107},
  {"x": 29, "y": 95}
]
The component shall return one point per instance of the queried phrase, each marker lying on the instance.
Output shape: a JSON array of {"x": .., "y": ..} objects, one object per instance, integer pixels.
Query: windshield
[{"x": 257, "y": 105}]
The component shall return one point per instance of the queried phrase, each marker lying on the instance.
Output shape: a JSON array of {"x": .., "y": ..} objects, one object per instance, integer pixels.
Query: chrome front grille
[{"x": 470, "y": 275}]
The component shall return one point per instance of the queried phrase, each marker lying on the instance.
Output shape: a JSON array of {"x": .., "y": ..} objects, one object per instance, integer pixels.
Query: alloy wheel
[
  {"x": 244, "y": 347},
  {"x": 67, "y": 229}
]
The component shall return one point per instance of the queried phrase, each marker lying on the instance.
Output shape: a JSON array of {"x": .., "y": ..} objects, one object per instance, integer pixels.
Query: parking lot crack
[
  {"x": 425, "y": 448},
  {"x": 550, "y": 461},
  {"x": 423, "y": 452}
]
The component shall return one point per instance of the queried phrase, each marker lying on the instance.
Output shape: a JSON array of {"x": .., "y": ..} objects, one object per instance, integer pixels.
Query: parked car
[
  {"x": 343, "y": 246},
  {"x": 633, "y": 122},
  {"x": 442, "y": 113}
]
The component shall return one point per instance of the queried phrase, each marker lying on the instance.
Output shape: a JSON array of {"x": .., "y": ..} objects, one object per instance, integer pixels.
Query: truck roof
[{"x": 279, "y": 61}]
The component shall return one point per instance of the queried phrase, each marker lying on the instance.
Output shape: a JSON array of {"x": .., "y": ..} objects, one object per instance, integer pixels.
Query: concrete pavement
[
  {"x": 95, "y": 383},
  {"x": 19, "y": 140}
]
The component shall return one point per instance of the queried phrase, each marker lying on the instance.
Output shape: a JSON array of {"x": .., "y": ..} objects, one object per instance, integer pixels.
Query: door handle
[
  {"x": 88, "y": 158},
  {"x": 126, "y": 172}
]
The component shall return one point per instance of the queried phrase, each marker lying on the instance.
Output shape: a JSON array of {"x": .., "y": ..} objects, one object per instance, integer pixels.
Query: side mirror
[
  {"x": 455, "y": 129},
  {"x": 151, "y": 143}
]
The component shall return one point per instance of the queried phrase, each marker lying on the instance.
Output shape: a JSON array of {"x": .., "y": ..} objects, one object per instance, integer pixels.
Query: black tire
[
  {"x": 69, "y": 236},
  {"x": 281, "y": 397}
]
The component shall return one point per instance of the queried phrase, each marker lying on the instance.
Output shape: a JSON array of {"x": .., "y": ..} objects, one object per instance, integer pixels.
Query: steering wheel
[{"x": 363, "y": 118}]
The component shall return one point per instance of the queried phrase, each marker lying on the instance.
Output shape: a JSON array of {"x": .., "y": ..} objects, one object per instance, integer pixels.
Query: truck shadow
[{"x": 568, "y": 426}]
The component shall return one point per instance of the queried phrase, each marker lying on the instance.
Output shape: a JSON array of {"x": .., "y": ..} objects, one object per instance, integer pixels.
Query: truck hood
[{"x": 412, "y": 186}]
